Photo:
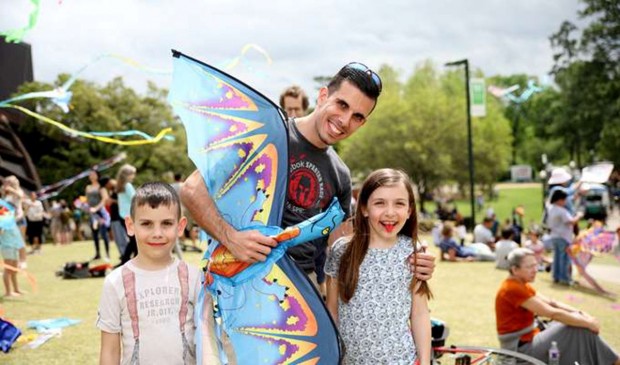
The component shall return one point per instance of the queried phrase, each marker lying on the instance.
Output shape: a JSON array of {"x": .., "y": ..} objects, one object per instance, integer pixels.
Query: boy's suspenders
[{"x": 129, "y": 284}]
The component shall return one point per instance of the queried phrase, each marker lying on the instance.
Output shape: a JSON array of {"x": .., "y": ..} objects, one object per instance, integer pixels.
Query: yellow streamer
[
  {"x": 75, "y": 132},
  {"x": 235, "y": 61}
]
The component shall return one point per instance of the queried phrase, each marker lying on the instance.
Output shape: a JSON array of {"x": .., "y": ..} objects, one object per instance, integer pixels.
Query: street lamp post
[
  {"x": 470, "y": 148},
  {"x": 543, "y": 179}
]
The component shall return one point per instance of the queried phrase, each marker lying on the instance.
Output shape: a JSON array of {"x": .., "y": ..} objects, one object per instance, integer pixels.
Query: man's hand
[
  {"x": 424, "y": 265},
  {"x": 249, "y": 246}
]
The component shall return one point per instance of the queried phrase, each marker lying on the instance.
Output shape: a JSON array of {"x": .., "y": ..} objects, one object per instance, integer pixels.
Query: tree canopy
[
  {"x": 419, "y": 126},
  {"x": 111, "y": 107}
]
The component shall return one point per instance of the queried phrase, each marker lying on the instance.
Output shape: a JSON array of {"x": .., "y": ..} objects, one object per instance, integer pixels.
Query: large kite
[
  {"x": 589, "y": 243},
  {"x": 268, "y": 312}
]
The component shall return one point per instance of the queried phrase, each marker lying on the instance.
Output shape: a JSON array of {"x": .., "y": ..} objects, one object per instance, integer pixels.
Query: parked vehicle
[{"x": 595, "y": 201}]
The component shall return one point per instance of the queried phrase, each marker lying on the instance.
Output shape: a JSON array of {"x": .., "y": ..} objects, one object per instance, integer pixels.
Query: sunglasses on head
[{"x": 373, "y": 75}]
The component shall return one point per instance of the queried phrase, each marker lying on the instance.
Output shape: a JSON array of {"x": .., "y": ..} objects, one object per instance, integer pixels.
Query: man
[
  {"x": 483, "y": 234},
  {"x": 294, "y": 101},
  {"x": 516, "y": 304},
  {"x": 317, "y": 174}
]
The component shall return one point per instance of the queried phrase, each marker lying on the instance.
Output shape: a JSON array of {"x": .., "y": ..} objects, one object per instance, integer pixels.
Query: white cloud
[{"x": 305, "y": 38}]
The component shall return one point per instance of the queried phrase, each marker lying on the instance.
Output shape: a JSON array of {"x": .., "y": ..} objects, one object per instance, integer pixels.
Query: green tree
[
  {"x": 112, "y": 107},
  {"x": 420, "y": 127},
  {"x": 587, "y": 69}
]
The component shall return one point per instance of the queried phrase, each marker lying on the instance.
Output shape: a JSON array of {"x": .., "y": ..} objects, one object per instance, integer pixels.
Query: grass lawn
[
  {"x": 464, "y": 298},
  {"x": 528, "y": 195},
  {"x": 56, "y": 297}
]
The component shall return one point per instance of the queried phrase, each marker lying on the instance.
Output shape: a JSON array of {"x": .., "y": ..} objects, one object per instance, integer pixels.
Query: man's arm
[
  {"x": 110, "y": 348},
  {"x": 248, "y": 246}
]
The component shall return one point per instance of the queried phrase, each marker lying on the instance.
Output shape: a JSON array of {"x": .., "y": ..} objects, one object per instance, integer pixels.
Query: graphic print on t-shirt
[{"x": 306, "y": 187}]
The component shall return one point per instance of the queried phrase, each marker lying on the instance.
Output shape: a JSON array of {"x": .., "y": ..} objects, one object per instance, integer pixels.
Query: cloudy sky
[{"x": 304, "y": 38}]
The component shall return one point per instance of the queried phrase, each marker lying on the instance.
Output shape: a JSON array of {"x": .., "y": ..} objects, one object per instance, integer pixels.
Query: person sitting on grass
[
  {"x": 483, "y": 234},
  {"x": 537, "y": 246},
  {"x": 503, "y": 247},
  {"x": 146, "y": 312},
  {"x": 516, "y": 305},
  {"x": 452, "y": 251}
]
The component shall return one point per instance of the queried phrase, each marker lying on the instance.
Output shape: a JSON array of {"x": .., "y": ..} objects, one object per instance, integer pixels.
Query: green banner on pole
[{"x": 478, "y": 97}]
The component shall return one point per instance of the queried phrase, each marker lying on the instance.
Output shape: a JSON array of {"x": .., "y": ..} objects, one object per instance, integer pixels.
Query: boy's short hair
[
  {"x": 507, "y": 233},
  {"x": 154, "y": 194},
  {"x": 558, "y": 195}
]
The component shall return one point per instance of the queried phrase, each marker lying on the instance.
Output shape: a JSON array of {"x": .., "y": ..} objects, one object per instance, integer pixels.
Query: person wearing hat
[{"x": 560, "y": 180}]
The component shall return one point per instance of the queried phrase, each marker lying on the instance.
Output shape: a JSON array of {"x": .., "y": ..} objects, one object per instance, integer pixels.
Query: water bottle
[{"x": 554, "y": 354}]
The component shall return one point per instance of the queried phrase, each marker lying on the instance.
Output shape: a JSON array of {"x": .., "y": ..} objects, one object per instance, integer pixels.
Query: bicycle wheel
[{"x": 465, "y": 355}]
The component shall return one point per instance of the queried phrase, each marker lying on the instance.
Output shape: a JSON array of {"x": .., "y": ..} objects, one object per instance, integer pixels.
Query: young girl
[
  {"x": 371, "y": 293},
  {"x": 12, "y": 244},
  {"x": 96, "y": 196}
]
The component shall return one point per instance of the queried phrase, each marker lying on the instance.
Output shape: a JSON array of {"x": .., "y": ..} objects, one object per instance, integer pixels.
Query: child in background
[
  {"x": 536, "y": 245},
  {"x": 147, "y": 305},
  {"x": 371, "y": 292},
  {"x": 450, "y": 250},
  {"x": 503, "y": 247},
  {"x": 12, "y": 244}
]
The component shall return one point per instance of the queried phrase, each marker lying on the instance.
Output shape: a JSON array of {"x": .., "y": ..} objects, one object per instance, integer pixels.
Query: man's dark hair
[
  {"x": 295, "y": 92},
  {"x": 487, "y": 220},
  {"x": 507, "y": 233},
  {"x": 360, "y": 79},
  {"x": 558, "y": 195},
  {"x": 155, "y": 194}
]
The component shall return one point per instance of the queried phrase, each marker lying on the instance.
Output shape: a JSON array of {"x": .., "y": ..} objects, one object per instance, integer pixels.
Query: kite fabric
[
  {"x": 595, "y": 240},
  {"x": 267, "y": 312},
  {"x": 507, "y": 93}
]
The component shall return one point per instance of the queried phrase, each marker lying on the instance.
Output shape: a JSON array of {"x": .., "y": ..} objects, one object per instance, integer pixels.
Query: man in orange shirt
[{"x": 575, "y": 332}]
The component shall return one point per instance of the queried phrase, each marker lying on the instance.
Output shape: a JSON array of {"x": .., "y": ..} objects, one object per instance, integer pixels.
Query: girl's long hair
[
  {"x": 122, "y": 177},
  {"x": 348, "y": 272}
]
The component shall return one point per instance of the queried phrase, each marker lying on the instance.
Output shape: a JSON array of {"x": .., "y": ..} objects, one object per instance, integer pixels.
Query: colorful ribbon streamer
[
  {"x": 16, "y": 35},
  {"x": 132, "y": 132},
  {"x": 76, "y": 133},
  {"x": 54, "y": 189}
]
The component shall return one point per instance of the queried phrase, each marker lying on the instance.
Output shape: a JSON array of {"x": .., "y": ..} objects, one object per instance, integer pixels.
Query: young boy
[{"x": 147, "y": 305}]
